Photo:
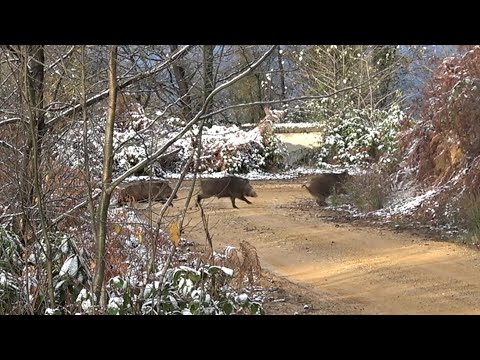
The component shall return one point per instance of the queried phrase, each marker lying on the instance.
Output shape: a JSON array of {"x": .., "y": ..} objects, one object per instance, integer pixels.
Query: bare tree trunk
[
  {"x": 86, "y": 160},
  {"x": 34, "y": 73},
  {"x": 258, "y": 110},
  {"x": 208, "y": 81},
  {"x": 31, "y": 75},
  {"x": 281, "y": 73},
  {"x": 180, "y": 77},
  {"x": 102, "y": 212}
]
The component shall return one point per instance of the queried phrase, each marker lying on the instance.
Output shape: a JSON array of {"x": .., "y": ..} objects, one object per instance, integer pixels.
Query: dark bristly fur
[
  {"x": 323, "y": 185},
  {"x": 157, "y": 190},
  {"x": 233, "y": 187}
]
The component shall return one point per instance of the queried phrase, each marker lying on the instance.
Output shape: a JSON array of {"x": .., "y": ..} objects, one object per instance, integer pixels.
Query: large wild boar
[
  {"x": 233, "y": 187},
  {"x": 157, "y": 190},
  {"x": 323, "y": 185}
]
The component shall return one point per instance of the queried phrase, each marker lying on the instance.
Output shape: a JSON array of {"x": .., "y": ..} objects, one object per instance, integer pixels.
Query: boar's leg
[
  {"x": 245, "y": 199},
  {"x": 321, "y": 201},
  {"x": 200, "y": 197},
  {"x": 164, "y": 201},
  {"x": 232, "y": 198}
]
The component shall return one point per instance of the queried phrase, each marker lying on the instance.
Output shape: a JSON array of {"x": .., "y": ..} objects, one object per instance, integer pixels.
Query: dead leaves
[{"x": 174, "y": 233}]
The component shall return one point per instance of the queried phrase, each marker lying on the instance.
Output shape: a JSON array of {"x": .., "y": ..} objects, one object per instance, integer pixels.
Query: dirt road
[{"x": 339, "y": 268}]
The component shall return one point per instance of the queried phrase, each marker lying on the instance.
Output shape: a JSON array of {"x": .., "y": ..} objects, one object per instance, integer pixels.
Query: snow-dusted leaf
[
  {"x": 114, "y": 305},
  {"x": 241, "y": 299},
  {"x": 173, "y": 301},
  {"x": 256, "y": 309},
  {"x": 86, "y": 304},
  {"x": 150, "y": 290},
  {"x": 64, "y": 247},
  {"x": 119, "y": 283},
  {"x": 55, "y": 311},
  {"x": 70, "y": 266},
  {"x": 186, "y": 312},
  {"x": 82, "y": 295},
  {"x": 8, "y": 281},
  {"x": 227, "y": 271},
  {"x": 59, "y": 284}
]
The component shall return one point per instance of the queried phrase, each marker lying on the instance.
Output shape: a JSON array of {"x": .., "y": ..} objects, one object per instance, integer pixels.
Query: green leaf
[
  {"x": 256, "y": 309},
  {"x": 227, "y": 307},
  {"x": 214, "y": 270}
]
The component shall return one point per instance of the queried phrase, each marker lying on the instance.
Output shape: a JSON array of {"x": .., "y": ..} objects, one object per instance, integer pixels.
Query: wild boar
[
  {"x": 157, "y": 190},
  {"x": 323, "y": 185},
  {"x": 229, "y": 186}
]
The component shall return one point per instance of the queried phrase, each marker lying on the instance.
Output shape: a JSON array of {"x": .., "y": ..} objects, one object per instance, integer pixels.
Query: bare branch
[
  {"x": 299, "y": 98},
  {"x": 69, "y": 52},
  {"x": 9, "y": 146},
  {"x": 104, "y": 94},
  {"x": 10, "y": 121}
]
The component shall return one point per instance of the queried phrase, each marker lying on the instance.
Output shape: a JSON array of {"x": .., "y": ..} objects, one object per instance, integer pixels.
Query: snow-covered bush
[
  {"x": 131, "y": 144},
  {"x": 233, "y": 150},
  {"x": 360, "y": 136},
  {"x": 310, "y": 111},
  {"x": 188, "y": 291},
  {"x": 225, "y": 148}
]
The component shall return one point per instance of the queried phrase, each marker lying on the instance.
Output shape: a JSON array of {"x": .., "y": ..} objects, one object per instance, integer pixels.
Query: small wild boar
[
  {"x": 323, "y": 185},
  {"x": 157, "y": 190},
  {"x": 233, "y": 187}
]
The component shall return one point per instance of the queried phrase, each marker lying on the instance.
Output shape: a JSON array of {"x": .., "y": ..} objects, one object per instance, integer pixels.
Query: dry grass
[
  {"x": 369, "y": 191},
  {"x": 243, "y": 260}
]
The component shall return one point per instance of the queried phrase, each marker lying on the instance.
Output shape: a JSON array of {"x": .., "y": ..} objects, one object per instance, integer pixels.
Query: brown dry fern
[{"x": 251, "y": 263}]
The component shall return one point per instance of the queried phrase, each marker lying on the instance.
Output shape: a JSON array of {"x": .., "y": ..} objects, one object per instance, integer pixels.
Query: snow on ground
[{"x": 405, "y": 205}]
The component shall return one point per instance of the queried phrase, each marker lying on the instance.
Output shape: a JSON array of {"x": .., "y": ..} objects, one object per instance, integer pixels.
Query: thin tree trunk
[
  {"x": 281, "y": 73},
  {"x": 86, "y": 157},
  {"x": 34, "y": 73},
  {"x": 208, "y": 75},
  {"x": 180, "y": 77},
  {"x": 102, "y": 212}
]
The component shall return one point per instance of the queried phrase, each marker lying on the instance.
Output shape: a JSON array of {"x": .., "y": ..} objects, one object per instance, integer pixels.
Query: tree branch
[
  {"x": 104, "y": 94},
  {"x": 312, "y": 97},
  {"x": 69, "y": 52},
  {"x": 10, "y": 121}
]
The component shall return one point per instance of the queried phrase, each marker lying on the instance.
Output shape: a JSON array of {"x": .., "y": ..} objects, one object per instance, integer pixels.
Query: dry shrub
[
  {"x": 251, "y": 263},
  {"x": 12, "y": 143},
  {"x": 369, "y": 191},
  {"x": 64, "y": 188},
  {"x": 245, "y": 262},
  {"x": 445, "y": 140},
  {"x": 469, "y": 214}
]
